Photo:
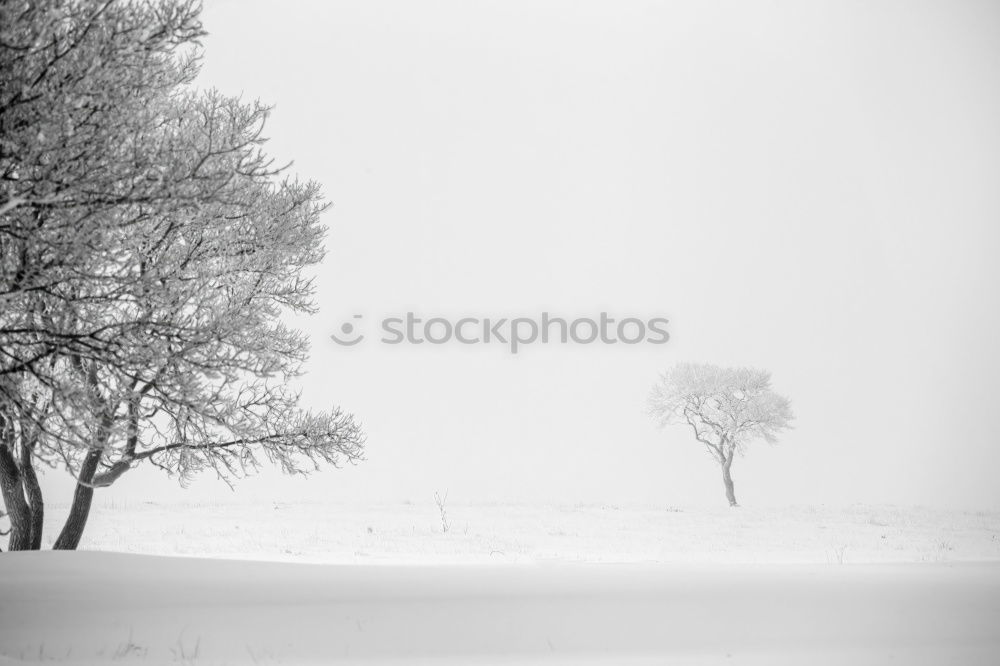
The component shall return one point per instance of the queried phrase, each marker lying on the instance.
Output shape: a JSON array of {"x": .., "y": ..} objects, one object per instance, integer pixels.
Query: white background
[{"x": 807, "y": 187}]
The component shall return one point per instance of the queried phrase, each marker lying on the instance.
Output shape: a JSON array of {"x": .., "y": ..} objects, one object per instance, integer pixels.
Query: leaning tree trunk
[
  {"x": 33, "y": 491},
  {"x": 727, "y": 479},
  {"x": 18, "y": 509},
  {"x": 72, "y": 530}
]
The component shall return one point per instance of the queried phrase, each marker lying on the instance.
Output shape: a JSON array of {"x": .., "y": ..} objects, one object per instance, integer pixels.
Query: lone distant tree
[
  {"x": 726, "y": 409},
  {"x": 149, "y": 252}
]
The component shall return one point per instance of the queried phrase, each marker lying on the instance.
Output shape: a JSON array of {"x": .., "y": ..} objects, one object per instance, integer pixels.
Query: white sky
[{"x": 807, "y": 187}]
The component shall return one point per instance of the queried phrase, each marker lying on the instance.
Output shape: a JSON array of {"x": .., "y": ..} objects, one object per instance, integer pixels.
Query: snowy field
[
  {"x": 411, "y": 533},
  {"x": 508, "y": 585},
  {"x": 93, "y": 608}
]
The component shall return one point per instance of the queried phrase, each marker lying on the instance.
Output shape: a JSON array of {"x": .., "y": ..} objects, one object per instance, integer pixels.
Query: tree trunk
[
  {"x": 727, "y": 479},
  {"x": 18, "y": 509},
  {"x": 72, "y": 531},
  {"x": 33, "y": 491}
]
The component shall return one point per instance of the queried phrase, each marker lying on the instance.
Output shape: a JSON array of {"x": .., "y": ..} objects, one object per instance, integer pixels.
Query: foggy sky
[{"x": 809, "y": 188}]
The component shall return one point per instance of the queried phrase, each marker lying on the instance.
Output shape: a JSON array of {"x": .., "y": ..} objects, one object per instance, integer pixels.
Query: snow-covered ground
[
  {"x": 100, "y": 608},
  {"x": 502, "y": 533},
  {"x": 508, "y": 584}
]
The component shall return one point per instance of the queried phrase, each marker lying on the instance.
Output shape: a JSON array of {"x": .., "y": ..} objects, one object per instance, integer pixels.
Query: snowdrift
[{"x": 90, "y": 607}]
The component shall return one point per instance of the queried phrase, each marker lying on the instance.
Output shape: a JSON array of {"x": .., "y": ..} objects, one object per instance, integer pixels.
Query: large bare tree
[
  {"x": 148, "y": 252},
  {"x": 725, "y": 408}
]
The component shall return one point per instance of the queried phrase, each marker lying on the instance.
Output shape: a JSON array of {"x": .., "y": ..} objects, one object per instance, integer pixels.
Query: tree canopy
[
  {"x": 725, "y": 408},
  {"x": 149, "y": 251}
]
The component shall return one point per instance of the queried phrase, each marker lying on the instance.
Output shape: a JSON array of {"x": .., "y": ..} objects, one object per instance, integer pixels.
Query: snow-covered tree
[
  {"x": 726, "y": 409},
  {"x": 148, "y": 250}
]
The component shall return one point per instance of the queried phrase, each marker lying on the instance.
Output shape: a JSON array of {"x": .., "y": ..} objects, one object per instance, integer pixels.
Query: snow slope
[{"x": 91, "y": 607}]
